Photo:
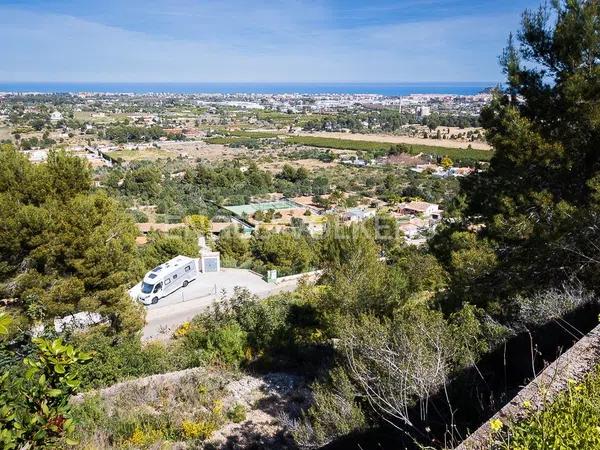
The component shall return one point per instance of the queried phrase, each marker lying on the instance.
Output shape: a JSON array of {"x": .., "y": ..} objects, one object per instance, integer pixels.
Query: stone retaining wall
[{"x": 573, "y": 365}]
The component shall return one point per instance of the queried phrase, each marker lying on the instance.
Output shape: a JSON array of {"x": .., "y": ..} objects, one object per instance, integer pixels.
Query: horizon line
[{"x": 257, "y": 82}]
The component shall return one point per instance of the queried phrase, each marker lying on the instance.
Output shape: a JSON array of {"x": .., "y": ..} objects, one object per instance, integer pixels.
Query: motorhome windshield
[{"x": 147, "y": 288}]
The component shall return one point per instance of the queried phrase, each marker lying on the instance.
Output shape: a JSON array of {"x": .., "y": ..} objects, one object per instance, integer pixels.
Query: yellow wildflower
[
  {"x": 496, "y": 425},
  {"x": 217, "y": 407},
  {"x": 137, "y": 437},
  {"x": 198, "y": 430},
  {"x": 183, "y": 329}
]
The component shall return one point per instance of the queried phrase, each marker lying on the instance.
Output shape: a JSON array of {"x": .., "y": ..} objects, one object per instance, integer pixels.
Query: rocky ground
[{"x": 270, "y": 401}]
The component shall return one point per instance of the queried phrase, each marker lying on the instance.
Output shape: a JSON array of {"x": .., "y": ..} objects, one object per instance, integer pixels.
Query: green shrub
[
  {"x": 237, "y": 413},
  {"x": 571, "y": 421},
  {"x": 163, "y": 246},
  {"x": 287, "y": 252},
  {"x": 122, "y": 357},
  {"x": 264, "y": 321},
  {"x": 90, "y": 411},
  {"x": 219, "y": 343},
  {"x": 34, "y": 396},
  {"x": 334, "y": 412},
  {"x": 275, "y": 327},
  {"x": 138, "y": 215}
]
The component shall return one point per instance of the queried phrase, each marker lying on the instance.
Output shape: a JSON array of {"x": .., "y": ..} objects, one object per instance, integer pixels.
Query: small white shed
[{"x": 210, "y": 261}]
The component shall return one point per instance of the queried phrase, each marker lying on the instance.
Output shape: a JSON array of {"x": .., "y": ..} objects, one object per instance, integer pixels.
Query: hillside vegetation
[
  {"x": 386, "y": 328},
  {"x": 571, "y": 421},
  {"x": 379, "y": 147}
]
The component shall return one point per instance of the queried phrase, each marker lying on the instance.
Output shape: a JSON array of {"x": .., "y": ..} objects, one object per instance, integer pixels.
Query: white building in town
[
  {"x": 423, "y": 111},
  {"x": 56, "y": 116},
  {"x": 430, "y": 210}
]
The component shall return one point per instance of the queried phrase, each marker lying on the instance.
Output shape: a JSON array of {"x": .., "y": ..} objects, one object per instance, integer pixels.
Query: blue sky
[{"x": 255, "y": 41}]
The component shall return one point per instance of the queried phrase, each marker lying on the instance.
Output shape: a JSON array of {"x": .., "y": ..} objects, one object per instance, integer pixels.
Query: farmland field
[
  {"x": 455, "y": 153},
  {"x": 140, "y": 155},
  {"x": 5, "y": 133},
  {"x": 349, "y": 144}
]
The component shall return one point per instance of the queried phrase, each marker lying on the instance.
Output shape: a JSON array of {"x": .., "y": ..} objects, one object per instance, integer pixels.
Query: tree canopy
[
  {"x": 536, "y": 206},
  {"x": 63, "y": 248}
]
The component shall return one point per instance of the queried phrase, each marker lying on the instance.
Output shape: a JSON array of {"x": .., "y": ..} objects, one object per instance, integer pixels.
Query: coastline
[{"x": 384, "y": 89}]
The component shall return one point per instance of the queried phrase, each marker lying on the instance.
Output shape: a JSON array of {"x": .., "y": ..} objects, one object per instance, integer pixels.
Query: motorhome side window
[
  {"x": 158, "y": 287},
  {"x": 175, "y": 276},
  {"x": 188, "y": 268},
  {"x": 167, "y": 281}
]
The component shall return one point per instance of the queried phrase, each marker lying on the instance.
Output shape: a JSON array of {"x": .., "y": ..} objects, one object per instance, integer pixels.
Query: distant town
[
  {"x": 218, "y": 197},
  {"x": 333, "y": 265},
  {"x": 423, "y": 140}
]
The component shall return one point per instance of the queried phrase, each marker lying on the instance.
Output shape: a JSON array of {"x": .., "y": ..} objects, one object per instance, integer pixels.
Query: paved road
[{"x": 182, "y": 305}]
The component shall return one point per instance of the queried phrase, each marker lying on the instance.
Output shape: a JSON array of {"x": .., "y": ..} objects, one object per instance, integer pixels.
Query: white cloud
[{"x": 264, "y": 43}]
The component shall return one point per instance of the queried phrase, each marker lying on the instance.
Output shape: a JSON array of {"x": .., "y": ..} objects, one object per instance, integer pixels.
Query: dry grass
[
  {"x": 150, "y": 154},
  {"x": 189, "y": 409},
  {"x": 394, "y": 139},
  {"x": 309, "y": 164},
  {"x": 5, "y": 133}
]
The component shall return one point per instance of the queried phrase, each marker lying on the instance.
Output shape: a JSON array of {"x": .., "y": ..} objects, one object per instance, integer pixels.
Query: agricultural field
[
  {"x": 252, "y": 139},
  {"x": 87, "y": 116},
  {"x": 5, "y": 133},
  {"x": 146, "y": 154},
  {"x": 252, "y": 134},
  {"x": 371, "y": 146}
]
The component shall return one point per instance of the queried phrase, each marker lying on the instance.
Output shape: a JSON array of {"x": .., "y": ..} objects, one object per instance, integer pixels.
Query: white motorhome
[{"x": 167, "y": 278}]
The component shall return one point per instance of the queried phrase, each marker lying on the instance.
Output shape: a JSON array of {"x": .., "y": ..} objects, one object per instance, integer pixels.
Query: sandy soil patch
[
  {"x": 5, "y": 133},
  {"x": 200, "y": 149},
  {"x": 309, "y": 164},
  {"x": 185, "y": 149}
]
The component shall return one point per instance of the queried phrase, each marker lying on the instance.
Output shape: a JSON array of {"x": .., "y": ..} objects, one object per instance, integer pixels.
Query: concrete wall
[
  {"x": 575, "y": 364},
  {"x": 309, "y": 275}
]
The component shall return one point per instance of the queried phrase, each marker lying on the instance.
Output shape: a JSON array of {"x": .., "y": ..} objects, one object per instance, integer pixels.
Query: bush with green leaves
[
  {"x": 335, "y": 412},
  {"x": 34, "y": 395},
  {"x": 278, "y": 329},
  {"x": 289, "y": 253},
  {"x": 233, "y": 246},
  {"x": 571, "y": 421},
  {"x": 122, "y": 357},
  {"x": 138, "y": 216},
  {"x": 237, "y": 413},
  {"x": 163, "y": 246},
  {"x": 218, "y": 343}
]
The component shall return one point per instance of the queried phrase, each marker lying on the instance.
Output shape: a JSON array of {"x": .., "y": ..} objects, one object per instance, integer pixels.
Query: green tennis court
[{"x": 251, "y": 208}]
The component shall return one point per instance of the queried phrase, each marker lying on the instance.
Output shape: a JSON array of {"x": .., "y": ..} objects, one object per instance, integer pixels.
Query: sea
[{"x": 386, "y": 89}]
